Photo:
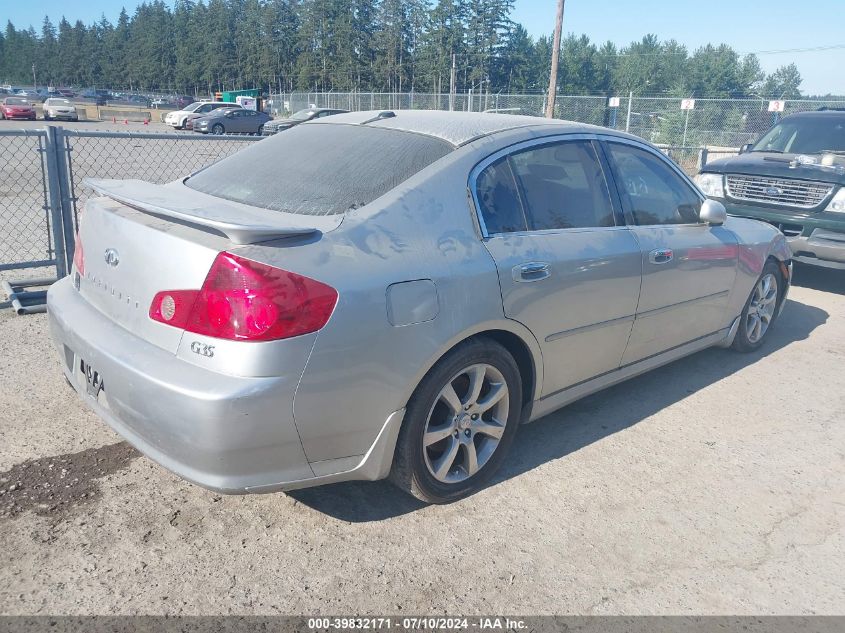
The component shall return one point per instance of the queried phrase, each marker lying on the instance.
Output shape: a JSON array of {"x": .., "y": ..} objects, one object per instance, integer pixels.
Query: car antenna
[{"x": 384, "y": 114}]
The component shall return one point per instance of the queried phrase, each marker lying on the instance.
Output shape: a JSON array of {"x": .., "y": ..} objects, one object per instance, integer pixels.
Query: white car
[
  {"x": 179, "y": 118},
  {"x": 60, "y": 108}
]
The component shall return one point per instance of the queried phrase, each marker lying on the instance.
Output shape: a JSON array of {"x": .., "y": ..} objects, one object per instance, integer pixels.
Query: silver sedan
[{"x": 381, "y": 294}]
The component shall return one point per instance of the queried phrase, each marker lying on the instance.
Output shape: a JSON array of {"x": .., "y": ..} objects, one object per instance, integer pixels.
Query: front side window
[{"x": 652, "y": 191}]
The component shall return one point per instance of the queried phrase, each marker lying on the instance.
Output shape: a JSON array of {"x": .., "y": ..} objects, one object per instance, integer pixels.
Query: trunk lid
[{"x": 140, "y": 239}]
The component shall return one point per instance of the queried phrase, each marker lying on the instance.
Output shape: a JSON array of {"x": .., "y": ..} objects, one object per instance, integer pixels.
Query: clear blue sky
[{"x": 747, "y": 25}]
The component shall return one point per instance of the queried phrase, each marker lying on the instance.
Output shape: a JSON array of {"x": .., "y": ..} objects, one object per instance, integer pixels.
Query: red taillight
[
  {"x": 173, "y": 307},
  {"x": 78, "y": 255},
  {"x": 245, "y": 300}
]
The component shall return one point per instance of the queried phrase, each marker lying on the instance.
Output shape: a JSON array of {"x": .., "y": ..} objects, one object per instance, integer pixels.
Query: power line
[{"x": 685, "y": 53}]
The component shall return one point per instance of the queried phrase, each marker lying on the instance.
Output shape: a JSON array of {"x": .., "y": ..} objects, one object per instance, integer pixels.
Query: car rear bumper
[
  {"x": 227, "y": 433},
  {"x": 813, "y": 238}
]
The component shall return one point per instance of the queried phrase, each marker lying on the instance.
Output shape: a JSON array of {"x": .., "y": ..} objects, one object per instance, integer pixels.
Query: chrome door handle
[
  {"x": 531, "y": 271},
  {"x": 661, "y": 256}
]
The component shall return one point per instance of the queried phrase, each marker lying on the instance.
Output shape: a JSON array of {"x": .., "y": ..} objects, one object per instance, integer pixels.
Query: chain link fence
[
  {"x": 26, "y": 229},
  {"x": 712, "y": 123},
  {"x": 42, "y": 192},
  {"x": 157, "y": 158}
]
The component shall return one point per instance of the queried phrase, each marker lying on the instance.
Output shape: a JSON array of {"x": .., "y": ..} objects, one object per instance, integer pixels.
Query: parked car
[
  {"x": 60, "y": 108},
  {"x": 407, "y": 327},
  {"x": 178, "y": 118},
  {"x": 137, "y": 101},
  {"x": 794, "y": 178},
  {"x": 98, "y": 97},
  {"x": 67, "y": 93},
  {"x": 17, "y": 108},
  {"x": 308, "y": 114},
  {"x": 184, "y": 101},
  {"x": 231, "y": 121},
  {"x": 162, "y": 102}
]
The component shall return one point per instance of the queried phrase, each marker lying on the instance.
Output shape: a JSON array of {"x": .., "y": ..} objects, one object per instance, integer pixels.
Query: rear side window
[
  {"x": 556, "y": 186},
  {"x": 563, "y": 186},
  {"x": 499, "y": 200},
  {"x": 320, "y": 169}
]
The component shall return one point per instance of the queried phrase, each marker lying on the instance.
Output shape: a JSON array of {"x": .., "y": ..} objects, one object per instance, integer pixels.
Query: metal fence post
[
  {"x": 57, "y": 215},
  {"x": 67, "y": 195},
  {"x": 628, "y": 118}
]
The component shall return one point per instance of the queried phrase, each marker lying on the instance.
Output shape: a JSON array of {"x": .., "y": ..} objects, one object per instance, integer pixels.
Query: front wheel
[
  {"x": 760, "y": 310},
  {"x": 217, "y": 129},
  {"x": 459, "y": 424}
]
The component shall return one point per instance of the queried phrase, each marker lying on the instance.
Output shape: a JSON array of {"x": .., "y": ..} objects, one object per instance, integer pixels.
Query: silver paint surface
[{"x": 254, "y": 416}]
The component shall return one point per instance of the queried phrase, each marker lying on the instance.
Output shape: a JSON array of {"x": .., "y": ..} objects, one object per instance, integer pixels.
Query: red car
[{"x": 17, "y": 108}]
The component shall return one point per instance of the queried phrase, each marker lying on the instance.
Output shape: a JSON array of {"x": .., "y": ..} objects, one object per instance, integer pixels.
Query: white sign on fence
[
  {"x": 613, "y": 102},
  {"x": 687, "y": 104},
  {"x": 777, "y": 106}
]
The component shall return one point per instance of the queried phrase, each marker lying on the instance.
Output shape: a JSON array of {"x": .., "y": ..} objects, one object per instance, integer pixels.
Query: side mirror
[
  {"x": 713, "y": 212},
  {"x": 745, "y": 148}
]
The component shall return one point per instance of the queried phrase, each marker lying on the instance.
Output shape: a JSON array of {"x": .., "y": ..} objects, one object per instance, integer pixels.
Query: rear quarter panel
[{"x": 362, "y": 368}]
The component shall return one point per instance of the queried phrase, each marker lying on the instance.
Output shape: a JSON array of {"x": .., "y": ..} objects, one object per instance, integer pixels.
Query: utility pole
[
  {"x": 550, "y": 103},
  {"x": 452, "y": 84},
  {"x": 34, "y": 83}
]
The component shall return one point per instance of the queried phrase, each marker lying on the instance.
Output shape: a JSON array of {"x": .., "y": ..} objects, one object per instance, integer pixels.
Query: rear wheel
[
  {"x": 760, "y": 310},
  {"x": 459, "y": 424},
  {"x": 217, "y": 129}
]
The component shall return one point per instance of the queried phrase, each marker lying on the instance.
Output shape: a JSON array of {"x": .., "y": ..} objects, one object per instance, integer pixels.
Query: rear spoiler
[{"x": 242, "y": 224}]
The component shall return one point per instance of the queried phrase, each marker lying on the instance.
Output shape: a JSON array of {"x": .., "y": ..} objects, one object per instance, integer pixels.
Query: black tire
[
  {"x": 744, "y": 341},
  {"x": 409, "y": 471},
  {"x": 217, "y": 129},
  {"x": 260, "y": 131}
]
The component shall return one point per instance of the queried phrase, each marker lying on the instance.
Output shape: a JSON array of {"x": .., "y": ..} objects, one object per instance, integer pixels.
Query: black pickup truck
[{"x": 794, "y": 178}]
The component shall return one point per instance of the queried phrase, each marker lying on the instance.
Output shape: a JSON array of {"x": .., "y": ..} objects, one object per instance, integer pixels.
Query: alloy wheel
[
  {"x": 761, "y": 310},
  {"x": 466, "y": 423}
]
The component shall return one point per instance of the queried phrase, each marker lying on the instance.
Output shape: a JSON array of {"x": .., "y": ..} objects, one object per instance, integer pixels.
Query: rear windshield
[{"x": 319, "y": 169}]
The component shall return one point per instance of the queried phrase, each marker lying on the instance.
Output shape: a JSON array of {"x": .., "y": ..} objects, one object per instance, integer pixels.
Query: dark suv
[{"x": 794, "y": 178}]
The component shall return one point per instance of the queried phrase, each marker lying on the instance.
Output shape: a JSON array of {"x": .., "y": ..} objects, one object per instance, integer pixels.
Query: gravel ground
[{"x": 711, "y": 486}]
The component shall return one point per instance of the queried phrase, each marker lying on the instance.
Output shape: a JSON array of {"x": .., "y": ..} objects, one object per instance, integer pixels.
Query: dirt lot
[{"x": 713, "y": 485}]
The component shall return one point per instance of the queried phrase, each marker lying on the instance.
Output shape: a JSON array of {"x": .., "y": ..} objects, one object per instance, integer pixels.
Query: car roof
[
  {"x": 457, "y": 128},
  {"x": 824, "y": 112}
]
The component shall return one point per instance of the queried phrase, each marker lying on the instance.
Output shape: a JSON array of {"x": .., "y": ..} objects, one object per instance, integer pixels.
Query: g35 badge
[{"x": 202, "y": 349}]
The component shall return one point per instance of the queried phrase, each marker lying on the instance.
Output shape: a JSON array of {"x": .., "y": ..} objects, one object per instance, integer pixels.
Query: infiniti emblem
[{"x": 112, "y": 258}]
